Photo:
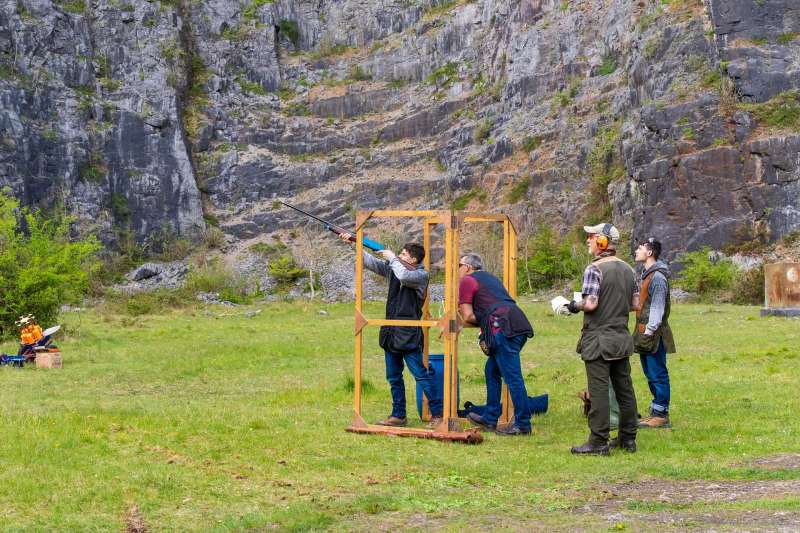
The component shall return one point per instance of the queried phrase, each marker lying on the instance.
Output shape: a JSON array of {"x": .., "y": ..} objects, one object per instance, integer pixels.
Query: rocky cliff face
[{"x": 676, "y": 118}]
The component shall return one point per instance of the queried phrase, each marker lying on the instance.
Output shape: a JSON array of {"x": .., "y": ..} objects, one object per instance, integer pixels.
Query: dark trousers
[
  {"x": 423, "y": 375},
  {"x": 655, "y": 369},
  {"x": 599, "y": 373},
  {"x": 504, "y": 365}
]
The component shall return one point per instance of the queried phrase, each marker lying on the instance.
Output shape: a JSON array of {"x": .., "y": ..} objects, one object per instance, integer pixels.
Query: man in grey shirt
[
  {"x": 408, "y": 283},
  {"x": 653, "y": 337}
]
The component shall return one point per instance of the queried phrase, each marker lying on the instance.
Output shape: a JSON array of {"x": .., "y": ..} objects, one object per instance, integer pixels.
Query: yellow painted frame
[{"x": 452, "y": 427}]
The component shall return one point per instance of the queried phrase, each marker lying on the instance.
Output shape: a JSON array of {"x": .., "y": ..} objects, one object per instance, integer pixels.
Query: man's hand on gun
[{"x": 386, "y": 254}]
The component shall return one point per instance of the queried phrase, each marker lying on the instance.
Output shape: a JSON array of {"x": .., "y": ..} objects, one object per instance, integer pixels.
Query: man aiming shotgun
[{"x": 408, "y": 283}]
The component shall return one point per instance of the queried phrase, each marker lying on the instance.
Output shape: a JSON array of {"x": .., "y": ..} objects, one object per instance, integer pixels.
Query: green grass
[
  {"x": 780, "y": 112},
  {"x": 608, "y": 67},
  {"x": 209, "y": 423},
  {"x": 519, "y": 190},
  {"x": 462, "y": 201}
]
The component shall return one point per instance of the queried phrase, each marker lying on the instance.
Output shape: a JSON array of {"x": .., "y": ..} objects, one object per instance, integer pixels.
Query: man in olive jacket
[
  {"x": 652, "y": 337},
  {"x": 609, "y": 294}
]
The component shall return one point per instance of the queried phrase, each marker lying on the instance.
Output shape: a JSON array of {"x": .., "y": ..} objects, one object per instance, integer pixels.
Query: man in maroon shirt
[{"x": 484, "y": 301}]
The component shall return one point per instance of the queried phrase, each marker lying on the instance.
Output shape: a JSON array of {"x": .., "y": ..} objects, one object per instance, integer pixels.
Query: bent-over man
[{"x": 484, "y": 301}]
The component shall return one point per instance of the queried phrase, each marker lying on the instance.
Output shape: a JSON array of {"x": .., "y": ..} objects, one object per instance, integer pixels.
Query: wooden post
[
  {"x": 358, "y": 312},
  {"x": 453, "y": 306},
  {"x": 426, "y": 333},
  {"x": 448, "y": 308},
  {"x": 507, "y": 414}
]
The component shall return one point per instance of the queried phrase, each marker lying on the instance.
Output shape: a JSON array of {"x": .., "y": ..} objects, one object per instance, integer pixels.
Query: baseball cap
[{"x": 604, "y": 229}]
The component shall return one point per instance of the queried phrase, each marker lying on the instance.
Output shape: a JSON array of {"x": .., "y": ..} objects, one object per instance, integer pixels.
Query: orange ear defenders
[{"x": 602, "y": 239}]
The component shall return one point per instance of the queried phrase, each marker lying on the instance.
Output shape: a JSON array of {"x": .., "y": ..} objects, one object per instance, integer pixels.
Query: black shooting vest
[
  {"x": 402, "y": 303},
  {"x": 489, "y": 283},
  {"x": 512, "y": 323},
  {"x": 605, "y": 330}
]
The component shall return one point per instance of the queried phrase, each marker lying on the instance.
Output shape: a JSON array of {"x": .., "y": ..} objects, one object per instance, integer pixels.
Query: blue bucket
[{"x": 436, "y": 363}]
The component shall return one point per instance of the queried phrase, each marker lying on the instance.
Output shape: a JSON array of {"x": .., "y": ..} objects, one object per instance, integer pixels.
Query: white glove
[{"x": 563, "y": 311}]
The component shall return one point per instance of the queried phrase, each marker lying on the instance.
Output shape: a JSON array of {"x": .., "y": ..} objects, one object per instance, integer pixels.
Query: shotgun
[{"x": 368, "y": 243}]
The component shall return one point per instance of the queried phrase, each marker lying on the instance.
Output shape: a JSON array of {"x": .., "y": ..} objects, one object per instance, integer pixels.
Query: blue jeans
[
  {"x": 504, "y": 364},
  {"x": 423, "y": 375},
  {"x": 655, "y": 369}
]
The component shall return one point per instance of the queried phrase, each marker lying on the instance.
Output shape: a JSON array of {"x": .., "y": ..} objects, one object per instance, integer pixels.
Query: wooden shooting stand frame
[{"x": 452, "y": 427}]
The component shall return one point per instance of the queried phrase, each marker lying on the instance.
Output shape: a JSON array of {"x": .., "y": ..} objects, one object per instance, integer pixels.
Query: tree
[
  {"x": 40, "y": 266},
  {"x": 313, "y": 253}
]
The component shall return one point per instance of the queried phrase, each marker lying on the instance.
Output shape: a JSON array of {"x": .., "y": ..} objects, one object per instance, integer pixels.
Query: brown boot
[
  {"x": 434, "y": 422},
  {"x": 655, "y": 422},
  {"x": 393, "y": 421}
]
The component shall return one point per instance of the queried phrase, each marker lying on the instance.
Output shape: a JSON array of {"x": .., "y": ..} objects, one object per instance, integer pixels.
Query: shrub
[
  {"x": 251, "y": 87},
  {"x": 285, "y": 270},
  {"x": 213, "y": 238},
  {"x": 77, "y": 7},
  {"x": 268, "y": 250},
  {"x": 519, "y": 190},
  {"x": 290, "y": 30},
  {"x": 748, "y": 287},
  {"x": 359, "y": 74},
  {"x": 144, "y": 303},
  {"x": 705, "y": 275},
  {"x": 605, "y": 167},
  {"x": 462, "y": 201},
  {"x": 608, "y": 67},
  {"x": 529, "y": 144},
  {"x": 120, "y": 207},
  {"x": 444, "y": 76},
  {"x": 215, "y": 276},
  {"x": 482, "y": 130},
  {"x": 40, "y": 267},
  {"x": 297, "y": 109},
  {"x": 552, "y": 260},
  {"x": 251, "y": 12},
  {"x": 93, "y": 170},
  {"x": 434, "y": 10}
]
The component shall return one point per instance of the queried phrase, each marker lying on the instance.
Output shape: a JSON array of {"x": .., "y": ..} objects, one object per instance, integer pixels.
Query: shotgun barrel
[{"x": 368, "y": 243}]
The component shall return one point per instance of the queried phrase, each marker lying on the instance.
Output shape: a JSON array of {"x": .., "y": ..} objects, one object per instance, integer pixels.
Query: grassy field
[{"x": 193, "y": 421}]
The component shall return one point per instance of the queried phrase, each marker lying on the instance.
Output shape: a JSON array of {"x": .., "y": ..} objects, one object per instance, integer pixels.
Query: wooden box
[{"x": 48, "y": 360}]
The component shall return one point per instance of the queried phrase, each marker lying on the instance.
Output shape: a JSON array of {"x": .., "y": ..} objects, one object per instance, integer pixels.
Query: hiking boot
[
  {"x": 589, "y": 449},
  {"x": 629, "y": 445},
  {"x": 655, "y": 422},
  {"x": 510, "y": 430},
  {"x": 434, "y": 422},
  {"x": 393, "y": 421},
  {"x": 479, "y": 421}
]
